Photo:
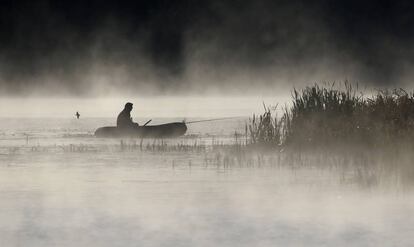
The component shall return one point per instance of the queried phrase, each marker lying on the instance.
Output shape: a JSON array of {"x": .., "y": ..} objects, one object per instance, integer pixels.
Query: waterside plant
[{"x": 338, "y": 116}]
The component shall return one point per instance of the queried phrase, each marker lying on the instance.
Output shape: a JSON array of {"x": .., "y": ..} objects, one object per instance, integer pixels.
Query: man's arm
[{"x": 133, "y": 123}]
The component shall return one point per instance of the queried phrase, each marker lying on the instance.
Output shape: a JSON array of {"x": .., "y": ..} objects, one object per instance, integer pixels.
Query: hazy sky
[{"x": 89, "y": 48}]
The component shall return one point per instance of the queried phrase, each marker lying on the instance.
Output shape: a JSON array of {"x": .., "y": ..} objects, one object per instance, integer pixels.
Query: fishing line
[{"x": 209, "y": 120}]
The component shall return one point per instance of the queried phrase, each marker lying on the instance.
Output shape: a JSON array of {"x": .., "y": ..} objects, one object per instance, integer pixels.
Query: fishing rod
[
  {"x": 147, "y": 122},
  {"x": 209, "y": 120}
]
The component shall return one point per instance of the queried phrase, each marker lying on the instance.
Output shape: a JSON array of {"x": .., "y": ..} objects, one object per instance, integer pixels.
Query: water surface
[{"x": 103, "y": 195}]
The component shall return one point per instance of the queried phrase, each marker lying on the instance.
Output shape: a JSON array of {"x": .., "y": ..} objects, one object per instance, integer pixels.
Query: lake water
[{"x": 60, "y": 186}]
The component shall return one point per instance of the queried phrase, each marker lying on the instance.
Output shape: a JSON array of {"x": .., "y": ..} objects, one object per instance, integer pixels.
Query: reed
[
  {"x": 338, "y": 116},
  {"x": 265, "y": 130}
]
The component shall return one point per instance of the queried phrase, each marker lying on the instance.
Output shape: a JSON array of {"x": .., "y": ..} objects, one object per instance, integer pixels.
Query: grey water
[{"x": 101, "y": 195}]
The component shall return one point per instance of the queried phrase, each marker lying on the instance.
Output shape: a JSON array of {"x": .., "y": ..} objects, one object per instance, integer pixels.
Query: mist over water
[
  {"x": 179, "y": 47},
  {"x": 184, "y": 61},
  {"x": 144, "y": 107},
  {"x": 62, "y": 186},
  {"x": 140, "y": 199}
]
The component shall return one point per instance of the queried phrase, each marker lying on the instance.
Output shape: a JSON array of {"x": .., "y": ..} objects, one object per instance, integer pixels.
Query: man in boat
[{"x": 124, "y": 119}]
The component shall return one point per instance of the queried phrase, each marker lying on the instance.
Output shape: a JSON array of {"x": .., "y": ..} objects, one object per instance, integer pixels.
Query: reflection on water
[{"x": 144, "y": 198}]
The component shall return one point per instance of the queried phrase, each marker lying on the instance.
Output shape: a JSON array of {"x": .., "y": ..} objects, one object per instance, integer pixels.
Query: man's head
[{"x": 128, "y": 106}]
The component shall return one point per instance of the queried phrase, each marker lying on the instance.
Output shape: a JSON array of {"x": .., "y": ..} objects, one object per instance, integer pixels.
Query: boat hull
[{"x": 152, "y": 131}]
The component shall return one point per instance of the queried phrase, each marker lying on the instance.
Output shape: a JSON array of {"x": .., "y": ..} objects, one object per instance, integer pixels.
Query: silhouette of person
[
  {"x": 77, "y": 115},
  {"x": 124, "y": 119}
]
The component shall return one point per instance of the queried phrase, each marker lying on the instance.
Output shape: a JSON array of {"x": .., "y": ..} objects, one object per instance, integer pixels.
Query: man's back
[{"x": 124, "y": 120}]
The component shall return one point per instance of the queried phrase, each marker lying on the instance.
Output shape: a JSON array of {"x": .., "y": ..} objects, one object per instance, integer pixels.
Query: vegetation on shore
[{"x": 337, "y": 116}]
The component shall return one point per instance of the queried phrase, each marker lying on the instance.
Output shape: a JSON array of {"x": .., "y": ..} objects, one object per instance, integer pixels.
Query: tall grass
[
  {"x": 265, "y": 129},
  {"x": 337, "y": 116}
]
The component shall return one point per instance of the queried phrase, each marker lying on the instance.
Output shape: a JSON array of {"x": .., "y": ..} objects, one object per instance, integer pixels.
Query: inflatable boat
[{"x": 149, "y": 131}]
